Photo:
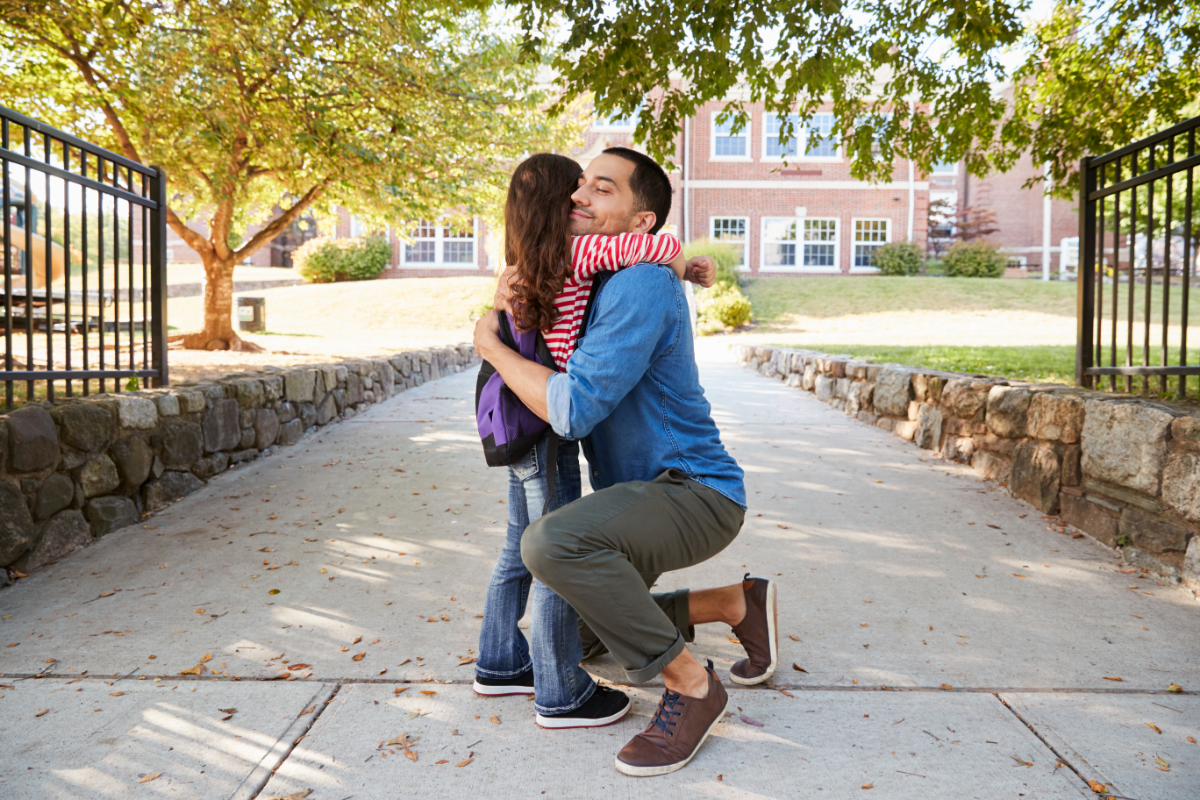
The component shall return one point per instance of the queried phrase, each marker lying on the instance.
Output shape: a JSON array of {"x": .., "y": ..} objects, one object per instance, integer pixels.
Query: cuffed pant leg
[{"x": 595, "y": 553}]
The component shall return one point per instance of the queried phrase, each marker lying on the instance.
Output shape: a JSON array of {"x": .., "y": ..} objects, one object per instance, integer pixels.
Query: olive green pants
[{"x": 603, "y": 552}]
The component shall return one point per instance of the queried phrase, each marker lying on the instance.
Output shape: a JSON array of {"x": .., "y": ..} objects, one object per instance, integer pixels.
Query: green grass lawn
[
  {"x": 776, "y": 298},
  {"x": 1020, "y": 329},
  {"x": 1039, "y": 364}
]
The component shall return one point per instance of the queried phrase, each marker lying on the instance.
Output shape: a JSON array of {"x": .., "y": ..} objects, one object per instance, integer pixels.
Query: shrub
[
  {"x": 727, "y": 256},
  {"x": 721, "y": 308},
  {"x": 899, "y": 258},
  {"x": 975, "y": 259},
  {"x": 325, "y": 259}
]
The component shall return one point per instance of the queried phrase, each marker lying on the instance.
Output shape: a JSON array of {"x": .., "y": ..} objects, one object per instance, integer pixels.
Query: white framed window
[
  {"x": 727, "y": 145},
  {"x": 820, "y": 139},
  {"x": 945, "y": 168},
  {"x": 772, "y": 149},
  {"x": 731, "y": 230},
  {"x": 356, "y": 228},
  {"x": 820, "y": 245},
  {"x": 942, "y": 212},
  {"x": 869, "y": 236},
  {"x": 799, "y": 244},
  {"x": 779, "y": 243},
  {"x": 617, "y": 122},
  {"x": 1017, "y": 262},
  {"x": 435, "y": 244}
]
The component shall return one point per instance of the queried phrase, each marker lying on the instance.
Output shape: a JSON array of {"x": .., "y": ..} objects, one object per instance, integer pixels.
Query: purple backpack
[{"x": 507, "y": 428}]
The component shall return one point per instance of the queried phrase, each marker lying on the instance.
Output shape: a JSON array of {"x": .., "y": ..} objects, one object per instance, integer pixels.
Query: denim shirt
[{"x": 633, "y": 389}]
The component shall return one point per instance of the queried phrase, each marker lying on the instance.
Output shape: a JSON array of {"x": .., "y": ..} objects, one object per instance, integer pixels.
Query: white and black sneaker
[
  {"x": 604, "y": 707},
  {"x": 498, "y": 687}
]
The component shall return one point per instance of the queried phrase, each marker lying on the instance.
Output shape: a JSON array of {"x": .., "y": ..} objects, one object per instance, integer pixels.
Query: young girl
[{"x": 550, "y": 287}]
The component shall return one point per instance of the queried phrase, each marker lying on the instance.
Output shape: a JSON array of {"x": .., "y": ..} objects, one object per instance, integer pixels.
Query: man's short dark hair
[{"x": 649, "y": 183}]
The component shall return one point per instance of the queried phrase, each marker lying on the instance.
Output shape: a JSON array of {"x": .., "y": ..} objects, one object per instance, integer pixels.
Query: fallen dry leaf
[
  {"x": 1154, "y": 728},
  {"x": 799, "y": 668},
  {"x": 492, "y": 718},
  {"x": 359, "y": 656},
  {"x": 1018, "y": 575},
  {"x": 149, "y": 778},
  {"x": 357, "y": 639},
  {"x": 1192, "y": 739},
  {"x": 426, "y": 691},
  {"x": 400, "y": 689},
  {"x": 402, "y": 741},
  {"x": 1163, "y": 765},
  {"x": 308, "y": 710},
  {"x": 946, "y": 687},
  {"x": 443, "y": 761},
  {"x": 116, "y": 694},
  {"x": 300, "y": 795},
  {"x": 43, "y": 711},
  {"x": 411, "y": 755},
  {"x": 793, "y": 637},
  {"x": 106, "y": 594},
  {"x": 786, "y": 692},
  {"x": 405, "y": 661},
  {"x": 733, "y": 639},
  {"x": 1175, "y": 688},
  {"x": 1097, "y": 787},
  {"x": 464, "y": 660},
  {"x": 464, "y": 762},
  {"x": 196, "y": 670},
  {"x": 750, "y": 721},
  {"x": 299, "y": 666},
  {"x": 868, "y": 786},
  {"x": 1113, "y": 678},
  {"x": 207, "y": 657}
]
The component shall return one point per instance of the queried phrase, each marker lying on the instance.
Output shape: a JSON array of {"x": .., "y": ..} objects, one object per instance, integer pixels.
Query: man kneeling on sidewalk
[{"x": 668, "y": 495}]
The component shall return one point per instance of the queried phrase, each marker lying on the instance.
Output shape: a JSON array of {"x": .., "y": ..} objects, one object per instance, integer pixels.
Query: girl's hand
[{"x": 701, "y": 270}]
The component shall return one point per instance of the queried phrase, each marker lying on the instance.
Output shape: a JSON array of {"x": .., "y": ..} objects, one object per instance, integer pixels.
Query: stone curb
[
  {"x": 1121, "y": 468},
  {"x": 76, "y": 470}
]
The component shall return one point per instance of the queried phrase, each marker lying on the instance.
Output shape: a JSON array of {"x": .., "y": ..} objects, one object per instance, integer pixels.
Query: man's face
[{"x": 604, "y": 203}]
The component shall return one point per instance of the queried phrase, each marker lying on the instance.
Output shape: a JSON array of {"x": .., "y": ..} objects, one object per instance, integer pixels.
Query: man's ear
[{"x": 643, "y": 221}]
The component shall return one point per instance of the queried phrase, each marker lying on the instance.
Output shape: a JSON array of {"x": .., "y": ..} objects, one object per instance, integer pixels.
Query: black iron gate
[
  {"x": 1139, "y": 256},
  {"x": 84, "y": 266}
]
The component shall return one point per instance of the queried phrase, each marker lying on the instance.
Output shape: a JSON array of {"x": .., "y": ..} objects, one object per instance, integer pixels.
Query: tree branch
[{"x": 277, "y": 225}]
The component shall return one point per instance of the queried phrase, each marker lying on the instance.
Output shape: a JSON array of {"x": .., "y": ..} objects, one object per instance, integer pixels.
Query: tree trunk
[{"x": 218, "y": 333}]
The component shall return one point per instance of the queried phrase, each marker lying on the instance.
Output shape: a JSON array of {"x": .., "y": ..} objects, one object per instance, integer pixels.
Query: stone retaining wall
[
  {"x": 1121, "y": 468},
  {"x": 76, "y": 470}
]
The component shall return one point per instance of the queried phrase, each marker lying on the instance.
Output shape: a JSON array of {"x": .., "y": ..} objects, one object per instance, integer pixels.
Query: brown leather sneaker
[
  {"x": 680, "y": 726},
  {"x": 758, "y": 632}
]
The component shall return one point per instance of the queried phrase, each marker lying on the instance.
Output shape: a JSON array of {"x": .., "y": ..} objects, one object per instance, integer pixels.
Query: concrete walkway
[{"x": 947, "y": 641}]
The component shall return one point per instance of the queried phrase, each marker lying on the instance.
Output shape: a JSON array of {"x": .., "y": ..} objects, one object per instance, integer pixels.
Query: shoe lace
[{"x": 666, "y": 709}]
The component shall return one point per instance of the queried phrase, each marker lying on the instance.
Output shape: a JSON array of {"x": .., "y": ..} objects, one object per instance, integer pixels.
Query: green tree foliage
[
  {"x": 398, "y": 109},
  {"x": 1095, "y": 75},
  {"x": 325, "y": 259},
  {"x": 975, "y": 259},
  {"x": 899, "y": 258}
]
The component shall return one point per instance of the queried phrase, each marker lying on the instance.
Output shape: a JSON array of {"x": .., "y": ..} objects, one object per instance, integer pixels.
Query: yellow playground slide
[{"x": 36, "y": 257}]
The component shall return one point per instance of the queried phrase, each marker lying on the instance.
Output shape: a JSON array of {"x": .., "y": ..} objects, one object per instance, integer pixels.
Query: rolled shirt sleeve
[{"x": 558, "y": 404}]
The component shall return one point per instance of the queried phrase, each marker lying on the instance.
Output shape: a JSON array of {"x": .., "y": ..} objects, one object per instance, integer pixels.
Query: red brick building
[{"x": 808, "y": 217}]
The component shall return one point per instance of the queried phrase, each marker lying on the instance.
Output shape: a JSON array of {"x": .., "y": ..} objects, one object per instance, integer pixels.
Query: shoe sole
[
  {"x": 665, "y": 769},
  {"x": 564, "y": 723},
  {"x": 500, "y": 691},
  {"x": 772, "y": 635}
]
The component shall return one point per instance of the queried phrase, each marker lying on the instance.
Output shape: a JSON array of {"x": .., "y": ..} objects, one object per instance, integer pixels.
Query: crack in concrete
[{"x": 257, "y": 780}]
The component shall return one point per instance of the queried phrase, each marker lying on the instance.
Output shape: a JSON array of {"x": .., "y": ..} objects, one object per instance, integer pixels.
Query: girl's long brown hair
[{"x": 537, "y": 235}]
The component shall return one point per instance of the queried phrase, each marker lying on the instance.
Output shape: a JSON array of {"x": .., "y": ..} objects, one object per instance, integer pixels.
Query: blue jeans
[{"x": 560, "y": 684}]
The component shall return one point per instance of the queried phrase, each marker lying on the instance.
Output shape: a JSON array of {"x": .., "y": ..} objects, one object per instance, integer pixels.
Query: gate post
[
  {"x": 1085, "y": 310},
  {"x": 158, "y": 276}
]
